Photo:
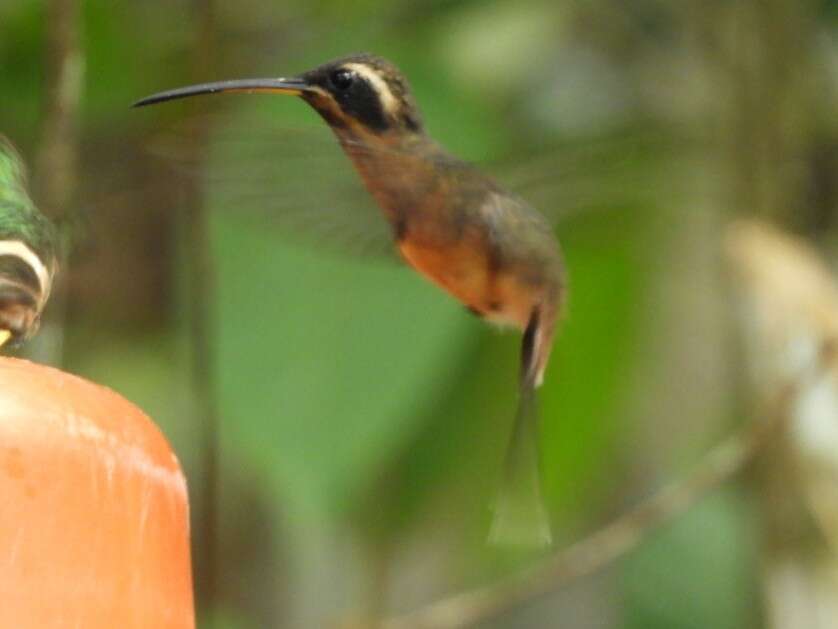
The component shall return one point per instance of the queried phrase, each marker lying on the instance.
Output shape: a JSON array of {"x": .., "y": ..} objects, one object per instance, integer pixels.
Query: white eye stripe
[
  {"x": 20, "y": 250},
  {"x": 388, "y": 101}
]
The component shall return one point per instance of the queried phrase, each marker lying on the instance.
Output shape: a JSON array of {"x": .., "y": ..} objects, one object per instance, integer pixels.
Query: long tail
[{"x": 520, "y": 518}]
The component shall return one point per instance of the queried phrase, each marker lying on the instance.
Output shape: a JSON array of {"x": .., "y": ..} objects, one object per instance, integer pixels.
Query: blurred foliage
[{"x": 364, "y": 413}]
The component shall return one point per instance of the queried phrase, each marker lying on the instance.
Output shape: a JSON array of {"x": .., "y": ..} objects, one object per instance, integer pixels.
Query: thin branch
[
  {"x": 201, "y": 286},
  {"x": 611, "y": 542},
  {"x": 58, "y": 156}
]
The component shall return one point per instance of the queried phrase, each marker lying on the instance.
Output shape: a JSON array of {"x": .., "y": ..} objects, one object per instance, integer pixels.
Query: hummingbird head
[{"x": 360, "y": 94}]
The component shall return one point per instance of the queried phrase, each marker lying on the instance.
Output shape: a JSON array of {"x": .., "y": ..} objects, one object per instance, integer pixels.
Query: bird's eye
[{"x": 342, "y": 79}]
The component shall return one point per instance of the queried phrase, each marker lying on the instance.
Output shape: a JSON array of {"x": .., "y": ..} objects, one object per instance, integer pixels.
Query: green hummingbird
[
  {"x": 28, "y": 252},
  {"x": 453, "y": 224}
]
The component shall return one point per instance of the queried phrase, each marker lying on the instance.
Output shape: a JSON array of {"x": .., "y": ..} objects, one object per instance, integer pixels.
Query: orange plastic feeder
[{"x": 94, "y": 517}]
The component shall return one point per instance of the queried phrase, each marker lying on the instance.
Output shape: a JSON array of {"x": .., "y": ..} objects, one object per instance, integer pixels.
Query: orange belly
[{"x": 465, "y": 273}]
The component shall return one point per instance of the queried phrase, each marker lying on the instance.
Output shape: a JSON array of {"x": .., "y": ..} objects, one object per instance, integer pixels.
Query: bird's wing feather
[{"x": 297, "y": 179}]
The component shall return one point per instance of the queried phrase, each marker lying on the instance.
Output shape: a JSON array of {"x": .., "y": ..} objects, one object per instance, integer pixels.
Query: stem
[
  {"x": 201, "y": 290},
  {"x": 57, "y": 160}
]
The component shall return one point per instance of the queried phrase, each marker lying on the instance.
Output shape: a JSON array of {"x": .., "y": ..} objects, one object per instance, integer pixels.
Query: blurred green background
[{"x": 361, "y": 414}]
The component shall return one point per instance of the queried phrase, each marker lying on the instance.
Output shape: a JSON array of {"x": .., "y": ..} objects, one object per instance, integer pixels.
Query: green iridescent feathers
[
  {"x": 28, "y": 257},
  {"x": 19, "y": 218}
]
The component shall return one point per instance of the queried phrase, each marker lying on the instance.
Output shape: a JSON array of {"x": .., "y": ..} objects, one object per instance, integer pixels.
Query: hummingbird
[
  {"x": 454, "y": 225},
  {"x": 28, "y": 252}
]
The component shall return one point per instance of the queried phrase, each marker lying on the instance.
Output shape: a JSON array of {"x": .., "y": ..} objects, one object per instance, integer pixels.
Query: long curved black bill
[{"x": 293, "y": 86}]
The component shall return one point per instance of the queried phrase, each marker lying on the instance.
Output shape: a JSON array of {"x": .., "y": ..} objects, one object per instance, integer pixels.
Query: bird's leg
[
  {"x": 5, "y": 335},
  {"x": 519, "y": 517}
]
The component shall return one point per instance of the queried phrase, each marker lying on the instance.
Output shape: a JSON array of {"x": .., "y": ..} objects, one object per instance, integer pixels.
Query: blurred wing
[
  {"x": 571, "y": 178},
  {"x": 298, "y": 180}
]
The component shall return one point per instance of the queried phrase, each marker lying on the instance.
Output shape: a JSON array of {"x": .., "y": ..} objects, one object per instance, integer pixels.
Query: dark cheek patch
[{"x": 362, "y": 103}]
